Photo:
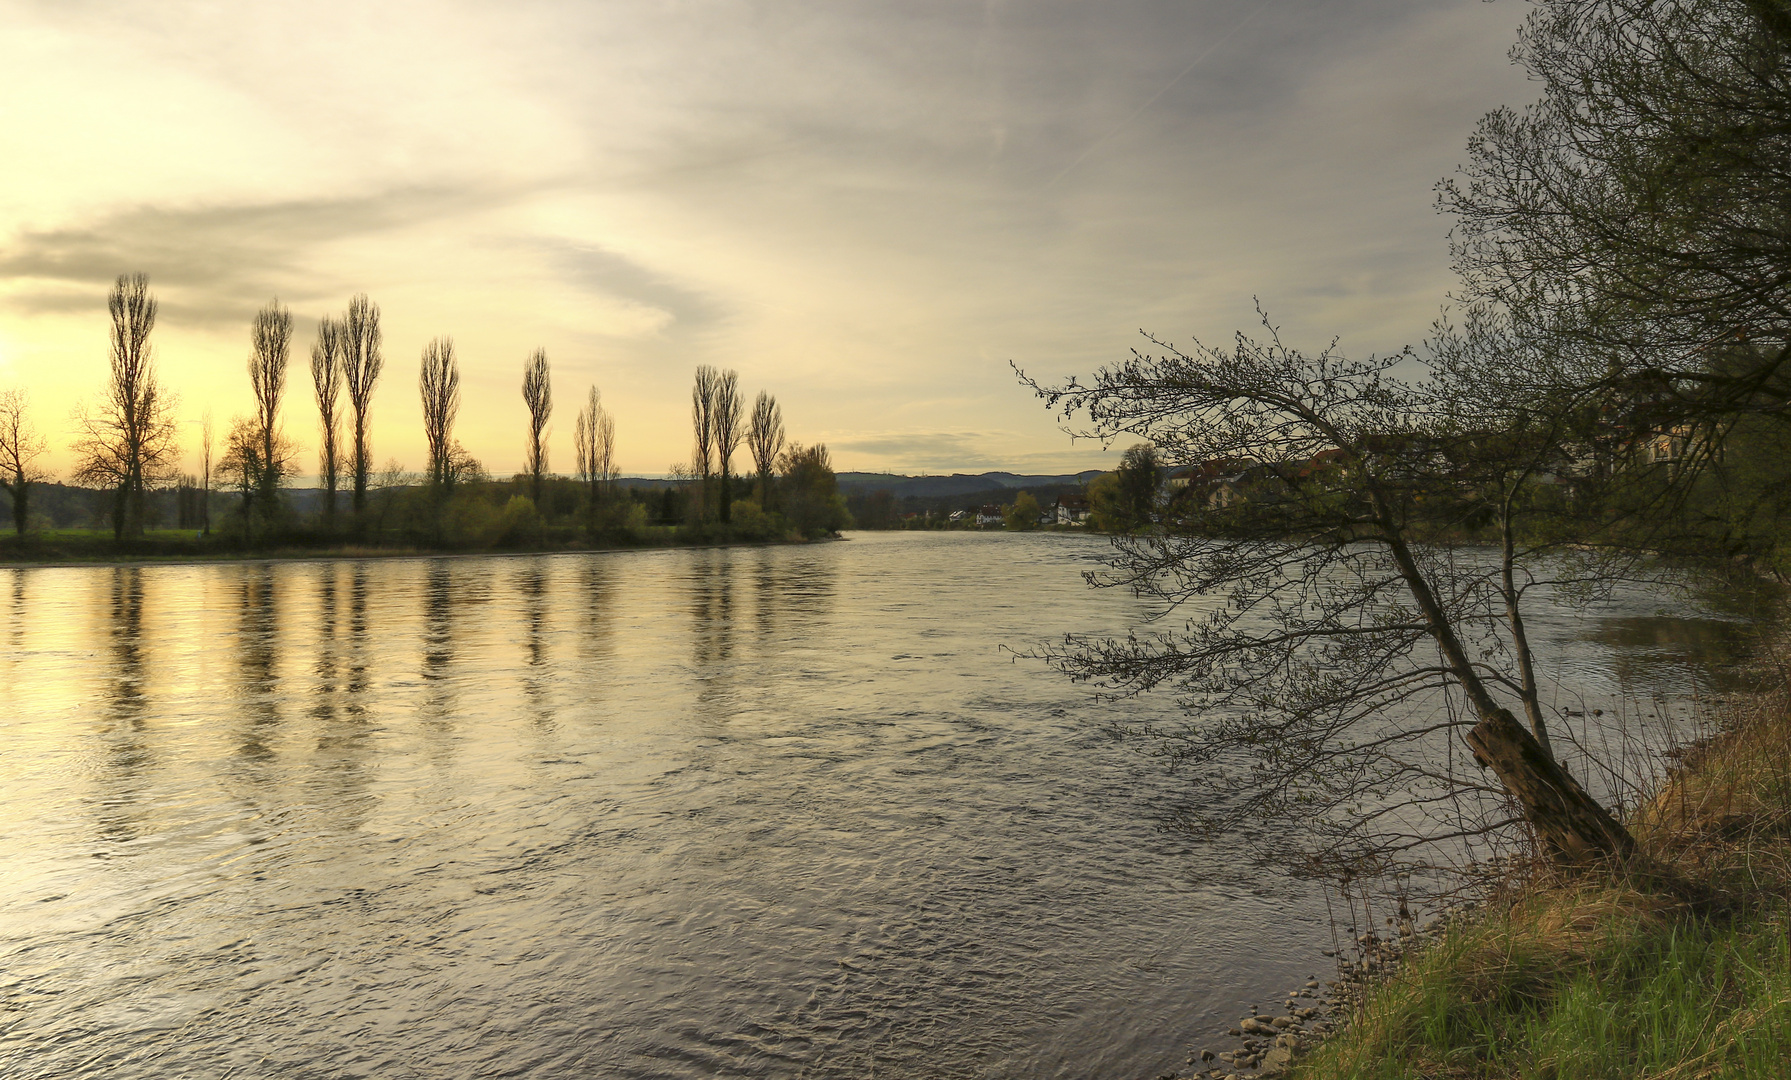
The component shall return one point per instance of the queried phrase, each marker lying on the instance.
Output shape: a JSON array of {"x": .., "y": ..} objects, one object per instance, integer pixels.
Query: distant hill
[{"x": 934, "y": 487}]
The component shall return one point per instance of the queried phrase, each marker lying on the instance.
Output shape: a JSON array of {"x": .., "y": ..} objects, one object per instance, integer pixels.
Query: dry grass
[{"x": 1641, "y": 976}]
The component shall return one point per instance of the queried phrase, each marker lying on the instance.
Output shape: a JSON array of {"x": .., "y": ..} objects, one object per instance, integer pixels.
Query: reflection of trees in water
[
  {"x": 531, "y": 582},
  {"x": 597, "y": 603},
  {"x": 17, "y": 623},
  {"x": 712, "y": 610},
  {"x": 1666, "y": 653},
  {"x": 125, "y": 729},
  {"x": 439, "y": 691},
  {"x": 342, "y": 729},
  {"x": 355, "y": 685},
  {"x": 257, "y": 659},
  {"x": 790, "y": 588},
  {"x": 324, "y": 667}
]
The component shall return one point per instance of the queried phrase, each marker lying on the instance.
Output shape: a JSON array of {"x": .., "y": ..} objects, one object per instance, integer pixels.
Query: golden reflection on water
[{"x": 754, "y": 812}]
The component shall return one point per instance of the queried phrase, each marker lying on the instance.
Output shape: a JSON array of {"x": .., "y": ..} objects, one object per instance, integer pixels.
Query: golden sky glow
[{"x": 866, "y": 208}]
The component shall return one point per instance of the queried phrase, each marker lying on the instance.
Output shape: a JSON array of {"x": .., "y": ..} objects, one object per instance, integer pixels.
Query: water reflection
[
  {"x": 596, "y": 602},
  {"x": 16, "y": 636},
  {"x": 128, "y": 749},
  {"x": 712, "y": 612},
  {"x": 1663, "y": 652},
  {"x": 359, "y": 641},
  {"x": 257, "y": 644},
  {"x": 343, "y": 732},
  {"x": 863, "y": 865},
  {"x": 531, "y": 583}
]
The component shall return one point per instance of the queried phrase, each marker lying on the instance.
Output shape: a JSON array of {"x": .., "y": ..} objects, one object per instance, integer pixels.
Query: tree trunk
[{"x": 1572, "y": 826}]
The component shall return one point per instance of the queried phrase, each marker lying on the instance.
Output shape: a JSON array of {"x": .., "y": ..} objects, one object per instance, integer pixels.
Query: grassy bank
[{"x": 1563, "y": 980}]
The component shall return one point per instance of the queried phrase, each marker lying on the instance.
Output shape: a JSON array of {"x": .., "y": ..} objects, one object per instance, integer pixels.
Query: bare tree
[
  {"x": 205, "y": 447},
  {"x": 605, "y": 459},
  {"x": 439, "y": 384},
  {"x": 244, "y": 467},
  {"x": 20, "y": 446},
  {"x": 1335, "y": 617},
  {"x": 1639, "y": 207},
  {"x": 129, "y": 442},
  {"x": 594, "y": 439},
  {"x": 726, "y": 416},
  {"x": 326, "y": 380},
  {"x": 270, "y": 339},
  {"x": 702, "y": 418},
  {"x": 361, "y": 365},
  {"x": 537, "y": 393},
  {"x": 765, "y": 438}
]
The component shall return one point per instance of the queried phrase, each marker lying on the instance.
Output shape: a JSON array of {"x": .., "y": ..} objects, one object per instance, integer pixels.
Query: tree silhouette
[
  {"x": 439, "y": 384},
  {"x": 702, "y": 419},
  {"x": 20, "y": 446},
  {"x": 765, "y": 439},
  {"x": 326, "y": 380},
  {"x": 361, "y": 365},
  {"x": 537, "y": 393},
  {"x": 726, "y": 416},
  {"x": 128, "y": 442},
  {"x": 271, "y": 340}
]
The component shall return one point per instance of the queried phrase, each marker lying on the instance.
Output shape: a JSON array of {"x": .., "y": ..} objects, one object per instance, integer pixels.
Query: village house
[{"x": 1070, "y": 510}]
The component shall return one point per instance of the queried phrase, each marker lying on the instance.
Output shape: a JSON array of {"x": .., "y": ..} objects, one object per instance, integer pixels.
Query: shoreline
[
  {"x": 1677, "y": 965},
  {"x": 299, "y": 555}
]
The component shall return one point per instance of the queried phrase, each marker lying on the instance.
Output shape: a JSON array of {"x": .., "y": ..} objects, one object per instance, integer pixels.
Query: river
[{"x": 757, "y": 812}]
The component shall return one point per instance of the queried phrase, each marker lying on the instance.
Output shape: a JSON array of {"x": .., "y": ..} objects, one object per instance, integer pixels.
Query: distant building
[
  {"x": 1071, "y": 510},
  {"x": 988, "y": 515}
]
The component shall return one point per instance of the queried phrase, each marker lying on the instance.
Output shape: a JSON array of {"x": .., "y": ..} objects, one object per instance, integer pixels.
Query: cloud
[
  {"x": 215, "y": 264},
  {"x": 593, "y": 269}
]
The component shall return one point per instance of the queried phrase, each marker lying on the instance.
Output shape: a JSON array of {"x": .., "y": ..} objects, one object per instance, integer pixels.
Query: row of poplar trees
[{"x": 128, "y": 443}]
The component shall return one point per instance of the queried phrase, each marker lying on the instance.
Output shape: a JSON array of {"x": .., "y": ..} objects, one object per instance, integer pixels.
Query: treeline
[{"x": 127, "y": 450}]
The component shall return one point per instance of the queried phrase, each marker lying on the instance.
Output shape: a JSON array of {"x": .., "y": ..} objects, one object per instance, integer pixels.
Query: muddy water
[{"x": 782, "y": 812}]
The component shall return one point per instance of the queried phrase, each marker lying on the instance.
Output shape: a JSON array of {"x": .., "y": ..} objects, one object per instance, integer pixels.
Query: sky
[{"x": 868, "y": 209}]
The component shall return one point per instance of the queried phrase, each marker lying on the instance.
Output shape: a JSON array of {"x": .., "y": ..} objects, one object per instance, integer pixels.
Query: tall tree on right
[
  {"x": 362, "y": 362},
  {"x": 1639, "y": 213},
  {"x": 1349, "y": 630},
  {"x": 128, "y": 443}
]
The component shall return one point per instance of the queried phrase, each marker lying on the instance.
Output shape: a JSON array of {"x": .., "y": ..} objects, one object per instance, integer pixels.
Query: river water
[{"x": 761, "y": 812}]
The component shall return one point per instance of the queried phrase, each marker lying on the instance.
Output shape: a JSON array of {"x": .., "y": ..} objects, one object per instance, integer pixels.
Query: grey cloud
[
  {"x": 596, "y": 269},
  {"x": 215, "y": 263}
]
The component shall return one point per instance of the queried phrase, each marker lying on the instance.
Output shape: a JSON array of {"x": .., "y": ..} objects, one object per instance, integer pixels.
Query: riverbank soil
[{"x": 1638, "y": 976}]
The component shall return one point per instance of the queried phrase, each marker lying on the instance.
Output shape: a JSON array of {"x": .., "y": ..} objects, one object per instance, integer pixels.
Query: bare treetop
[
  {"x": 362, "y": 362},
  {"x": 439, "y": 384},
  {"x": 537, "y": 393}
]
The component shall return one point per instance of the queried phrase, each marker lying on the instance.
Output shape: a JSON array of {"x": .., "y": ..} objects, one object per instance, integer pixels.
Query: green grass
[
  {"x": 1598, "y": 980},
  {"x": 1579, "y": 986}
]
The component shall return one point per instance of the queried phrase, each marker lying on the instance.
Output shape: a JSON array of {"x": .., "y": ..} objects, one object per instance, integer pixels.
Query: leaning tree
[{"x": 1347, "y": 650}]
